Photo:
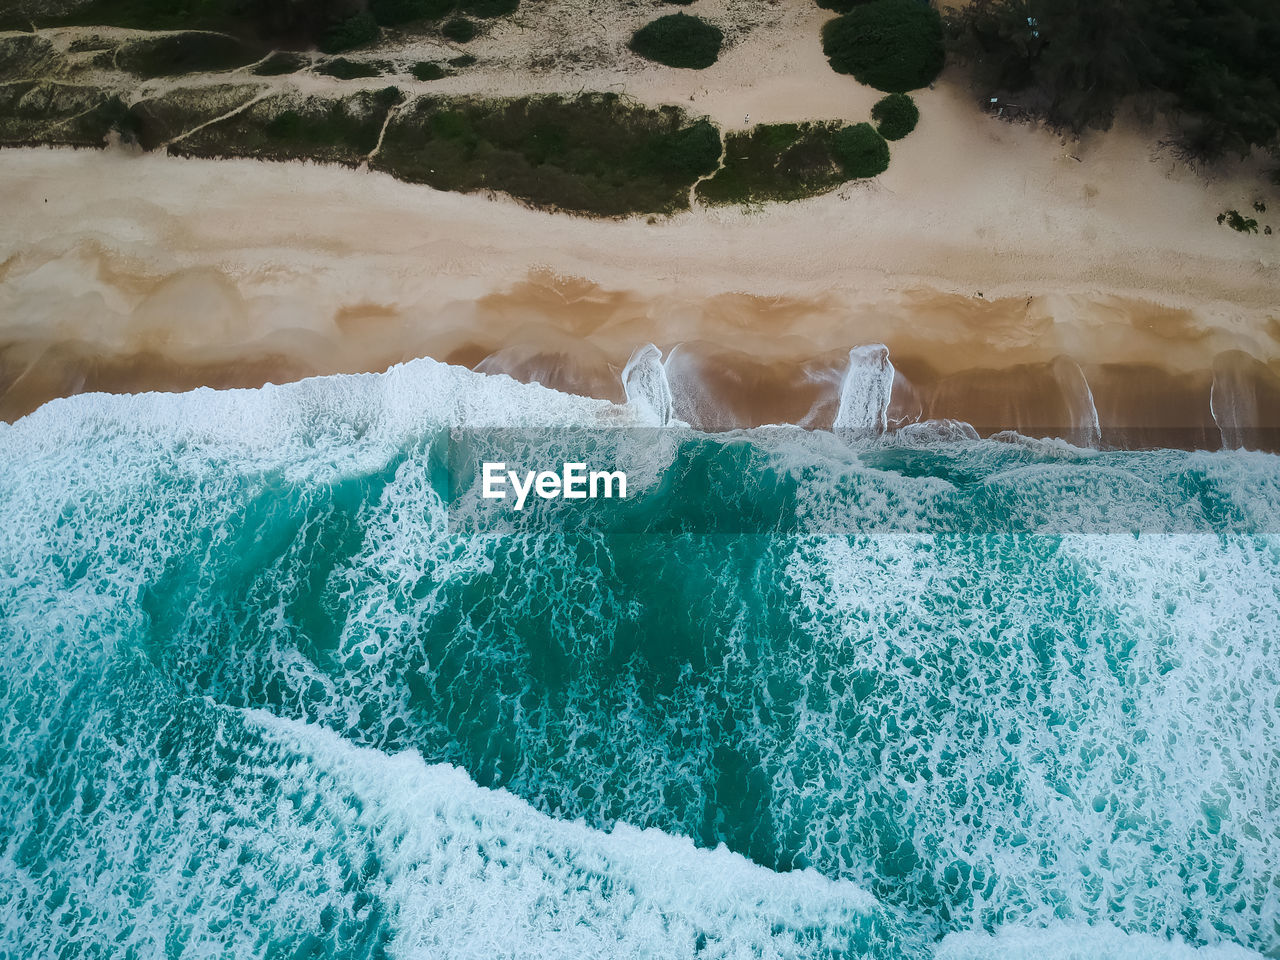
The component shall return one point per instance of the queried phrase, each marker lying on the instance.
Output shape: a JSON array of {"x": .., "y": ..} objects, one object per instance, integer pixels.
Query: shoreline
[{"x": 125, "y": 272}]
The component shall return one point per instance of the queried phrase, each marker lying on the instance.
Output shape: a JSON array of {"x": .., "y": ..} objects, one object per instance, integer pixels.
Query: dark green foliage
[
  {"x": 677, "y": 3},
  {"x": 490, "y": 8},
  {"x": 892, "y": 45},
  {"x": 895, "y": 116},
  {"x": 426, "y": 70},
  {"x": 592, "y": 154},
  {"x": 1212, "y": 66},
  {"x": 841, "y": 6},
  {"x": 860, "y": 151},
  {"x": 679, "y": 40},
  {"x": 350, "y": 33},
  {"x": 279, "y": 63},
  {"x": 345, "y": 69},
  {"x": 157, "y": 120},
  {"x": 459, "y": 30},
  {"x": 466, "y": 60},
  {"x": 341, "y": 130},
  {"x": 178, "y": 53},
  {"x": 59, "y": 113},
  {"x": 777, "y": 161},
  {"x": 1237, "y": 222},
  {"x": 392, "y": 13},
  {"x": 28, "y": 57}
]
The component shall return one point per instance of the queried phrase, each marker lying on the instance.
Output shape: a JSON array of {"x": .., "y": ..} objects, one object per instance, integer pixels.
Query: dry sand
[{"x": 987, "y": 250}]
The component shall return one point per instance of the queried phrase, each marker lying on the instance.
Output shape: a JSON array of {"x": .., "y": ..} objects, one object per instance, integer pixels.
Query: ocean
[{"x": 277, "y": 683}]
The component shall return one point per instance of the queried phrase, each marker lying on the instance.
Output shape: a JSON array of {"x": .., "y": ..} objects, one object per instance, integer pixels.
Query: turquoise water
[{"x": 277, "y": 684}]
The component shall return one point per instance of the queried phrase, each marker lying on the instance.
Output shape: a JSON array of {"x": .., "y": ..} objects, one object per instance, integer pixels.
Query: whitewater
[{"x": 276, "y": 684}]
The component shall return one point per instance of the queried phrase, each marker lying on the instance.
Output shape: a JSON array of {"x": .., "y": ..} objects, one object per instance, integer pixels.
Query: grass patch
[
  {"x": 157, "y": 120},
  {"x": 350, "y": 33},
  {"x": 459, "y": 30},
  {"x": 182, "y": 53},
  {"x": 490, "y": 8},
  {"x": 425, "y": 70},
  {"x": 860, "y": 151},
  {"x": 895, "y": 116},
  {"x": 28, "y": 57},
  {"x": 288, "y": 127},
  {"x": 593, "y": 154},
  {"x": 345, "y": 69},
  {"x": 280, "y": 63},
  {"x": 775, "y": 161},
  {"x": 679, "y": 40},
  {"x": 41, "y": 112},
  {"x": 392, "y": 13},
  {"x": 892, "y": 45}
]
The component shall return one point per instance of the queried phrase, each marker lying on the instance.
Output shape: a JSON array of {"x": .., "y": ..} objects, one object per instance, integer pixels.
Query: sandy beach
[{"x": 986, "y": 247}]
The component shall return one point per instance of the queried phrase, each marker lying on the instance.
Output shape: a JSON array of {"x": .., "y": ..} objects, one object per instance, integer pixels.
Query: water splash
[
  {"x": 865, "y": 391},
  {"x": 1233, "y": 400},
  {"x": 1083, "y": 413},
  {"x": 645, "y": 381}
]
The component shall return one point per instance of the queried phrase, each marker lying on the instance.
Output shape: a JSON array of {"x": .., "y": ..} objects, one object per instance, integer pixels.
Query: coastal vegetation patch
[
  {"x": 393, "y": 13},
  {"x": 59, "y": 114},
  {"x": 790, "y": 161},
  {"x": 896, "y": 116},
  {"x": 892, "y": 45},
  {"x": 153, "y": 122},
  {"x": 488, "y": 9},
  {"x": 1211, "y": 70},
  {"x": 25, "y": 56},
  {"x": 281, "y": 62},
  {"x": 592, "y": 154},
  {"x": 459, "y": 30},
  {"x": 176, "y": 54},
  {"x": 340, "y": 130},
  {"x": 344, "y": 69},
  {"x": 350, "y": 33},
  {"x": 679, "y": 40},
  {"x": 427, "y": 70}
]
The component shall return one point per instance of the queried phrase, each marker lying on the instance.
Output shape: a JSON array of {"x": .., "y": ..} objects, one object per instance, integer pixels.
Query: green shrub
[
  {"x": 490, "y": 8},
  {"x": 895, "y": 116},
  {"x": 392, "y": 13},
  {"x": 841, "y": 6},
  {"x": 775, "y": 161},
  {"x": 179, "y": 53},
  {"x": 279, "y": 63},
  {"x": 679, "y": 40},
  {"x": 426, "y": 70},
  {"x": 466, "y": 60},
  {"x": 350, "y": 33},
  {"x": 892, "y": 45},
  {"x": 592, "y": 154},
  {"x": 860, "y": 151},
  {"x": 345, "y": 69},
  {"x": 1238, "y": 222},
  {"x": 459, "y": 30}
]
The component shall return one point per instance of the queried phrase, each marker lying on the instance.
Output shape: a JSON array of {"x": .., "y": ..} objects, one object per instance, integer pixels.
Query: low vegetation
[
  {"x": 354, "y": 31},
  {"x": 1211, "y": 69},
  {"x": 459, "y": 30},
  {"x": 790, "y": 161},
  {"x": 490, "y": 8},
  {"x": 892, "y": 45},
  {"x": 1238, "y": 221},
  {"x": 593, "y": 154},
  {"x": 64, "y": 114},
  {"x": 345, "y": 69},
  {"x": 895, "y": 116},
  {"x": 174, "y": 54},
  {"x": 393, "y": 13},
  {"x": 280, "y": 63},
  {"x": 291, "y": 127},
  {"x": 426, "y": 70},
  {"x": 679, "y": 40}
]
